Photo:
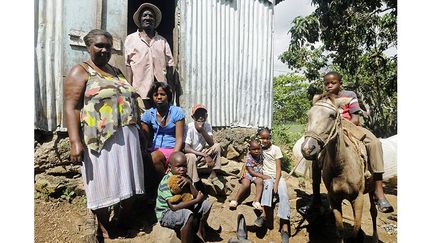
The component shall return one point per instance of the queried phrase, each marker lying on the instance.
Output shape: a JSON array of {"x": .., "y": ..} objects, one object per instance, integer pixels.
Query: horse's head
[{"x": 323, "y": 120}]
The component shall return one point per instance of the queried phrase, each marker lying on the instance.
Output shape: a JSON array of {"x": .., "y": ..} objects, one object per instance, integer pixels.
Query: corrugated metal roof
[{"x": 226, "y": 50}]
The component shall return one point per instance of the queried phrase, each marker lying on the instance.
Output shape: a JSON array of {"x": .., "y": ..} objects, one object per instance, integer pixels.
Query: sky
[{"x": 284, "y": 14}]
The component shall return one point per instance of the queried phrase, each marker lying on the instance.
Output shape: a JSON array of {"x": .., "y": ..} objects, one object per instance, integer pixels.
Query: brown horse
[{"x": 336, "y": 152}]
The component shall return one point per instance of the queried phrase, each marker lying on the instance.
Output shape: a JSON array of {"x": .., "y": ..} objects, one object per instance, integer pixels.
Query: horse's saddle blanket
[
  {"x": 356, "y": 131},
  {"x": 357, "y": 135}
]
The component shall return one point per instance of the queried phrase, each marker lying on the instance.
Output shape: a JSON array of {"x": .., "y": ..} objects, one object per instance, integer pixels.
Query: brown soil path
[{"x": 60, "y": 221}]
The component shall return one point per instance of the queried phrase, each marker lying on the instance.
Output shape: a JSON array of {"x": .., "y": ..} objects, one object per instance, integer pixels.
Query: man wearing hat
[
  {"x": 148, "y": 55},
  {"x": 201, "y": 148}
]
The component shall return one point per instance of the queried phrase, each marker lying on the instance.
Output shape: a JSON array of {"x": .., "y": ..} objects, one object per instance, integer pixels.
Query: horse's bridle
[{"x": 333, "y": 131}]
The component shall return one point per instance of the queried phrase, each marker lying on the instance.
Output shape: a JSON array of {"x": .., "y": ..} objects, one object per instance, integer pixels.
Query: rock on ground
[{"x": 59, "y": 220}]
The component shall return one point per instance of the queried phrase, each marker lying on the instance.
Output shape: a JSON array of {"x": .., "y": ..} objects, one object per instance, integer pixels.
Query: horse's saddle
[
  {"x": 353, "y": 129},
  {"x": 356, "y": 136}
]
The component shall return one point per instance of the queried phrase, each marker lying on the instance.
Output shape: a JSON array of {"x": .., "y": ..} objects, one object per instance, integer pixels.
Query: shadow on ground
[
  {"x": 320, "y": 225},
  {"x": 388, "y": 189}
]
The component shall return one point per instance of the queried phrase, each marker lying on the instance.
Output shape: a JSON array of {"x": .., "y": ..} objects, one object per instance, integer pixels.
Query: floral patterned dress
[{"x": 112, "y": 168}]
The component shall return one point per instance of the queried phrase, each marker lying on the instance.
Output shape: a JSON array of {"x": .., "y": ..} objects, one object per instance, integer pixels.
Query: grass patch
[{"x": 285, "y": 136}]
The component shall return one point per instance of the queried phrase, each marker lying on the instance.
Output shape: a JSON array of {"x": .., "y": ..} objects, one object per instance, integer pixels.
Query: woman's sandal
[{"x": 384, "y": 205}]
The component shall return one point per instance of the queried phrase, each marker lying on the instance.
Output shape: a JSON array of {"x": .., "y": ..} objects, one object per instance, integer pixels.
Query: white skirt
[{"x": 117, "y": 172}]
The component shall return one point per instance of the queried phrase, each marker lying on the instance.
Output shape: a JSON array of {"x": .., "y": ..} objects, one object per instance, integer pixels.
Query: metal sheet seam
[{"x": 225, "y": 57}]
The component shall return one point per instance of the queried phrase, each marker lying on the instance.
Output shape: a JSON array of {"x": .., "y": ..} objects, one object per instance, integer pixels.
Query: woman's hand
[{"x": 76, "y": 152}]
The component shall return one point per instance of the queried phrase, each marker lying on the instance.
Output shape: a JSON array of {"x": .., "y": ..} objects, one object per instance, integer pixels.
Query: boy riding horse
[{"x": 350, "y": 112}]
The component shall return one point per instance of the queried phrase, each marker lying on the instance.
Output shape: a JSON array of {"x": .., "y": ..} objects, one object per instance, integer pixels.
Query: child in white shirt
[
  {"x": 201, "y": 148},
  {"x": 273, "y": 183}
]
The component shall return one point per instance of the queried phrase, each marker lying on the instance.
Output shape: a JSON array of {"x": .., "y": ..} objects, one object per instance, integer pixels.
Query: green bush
[
  {"x": 290, "y": 99},
  {"x": 290, "y": 106},
  {"x": 285, "y": 137}
]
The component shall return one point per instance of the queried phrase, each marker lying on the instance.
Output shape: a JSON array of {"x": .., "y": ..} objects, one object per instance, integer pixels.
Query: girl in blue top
[{"x": 162, "y": 127}]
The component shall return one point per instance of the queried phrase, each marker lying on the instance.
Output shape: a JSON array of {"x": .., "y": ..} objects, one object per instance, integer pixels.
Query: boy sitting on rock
[
  {"x": 180, "y": 216},
  {"x": 199, "y": 134}
]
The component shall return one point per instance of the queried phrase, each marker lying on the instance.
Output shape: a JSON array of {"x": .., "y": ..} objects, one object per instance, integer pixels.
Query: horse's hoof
[{"x": 360, "y": 237}]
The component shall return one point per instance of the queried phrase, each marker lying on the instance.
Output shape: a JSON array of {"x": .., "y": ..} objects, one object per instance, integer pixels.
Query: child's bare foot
[
  {"x": 102, "y": 232},
  {"x": 201, "y": 234}
]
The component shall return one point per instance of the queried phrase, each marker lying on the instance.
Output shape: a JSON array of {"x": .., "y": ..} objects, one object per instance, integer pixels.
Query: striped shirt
[
  {"x": 164, "y": 194},
  {"x": 352, "y": 107}
]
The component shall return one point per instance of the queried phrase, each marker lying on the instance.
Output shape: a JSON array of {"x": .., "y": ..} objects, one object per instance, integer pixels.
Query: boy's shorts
[{"x": 177, "y": 219}]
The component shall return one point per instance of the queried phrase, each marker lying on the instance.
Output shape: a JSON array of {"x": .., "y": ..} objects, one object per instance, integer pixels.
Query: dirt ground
[{"x": 61, "y": 221}]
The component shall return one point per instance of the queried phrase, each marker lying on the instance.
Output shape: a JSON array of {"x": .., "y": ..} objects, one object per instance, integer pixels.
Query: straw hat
[{"x": 156, "y": 11}]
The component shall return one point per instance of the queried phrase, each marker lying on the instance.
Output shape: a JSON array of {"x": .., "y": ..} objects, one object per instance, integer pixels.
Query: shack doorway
[{"x": 166, "y": 26}]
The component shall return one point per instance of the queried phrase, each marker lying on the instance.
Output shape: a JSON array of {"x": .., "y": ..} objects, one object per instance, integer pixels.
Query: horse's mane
[{"x": 325, "y": 95}]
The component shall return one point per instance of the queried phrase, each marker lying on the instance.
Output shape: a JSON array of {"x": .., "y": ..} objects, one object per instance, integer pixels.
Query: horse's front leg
[
  {"x": 316, "y": 181},
  {"x": 315, "y": 205},
  {"x": 337, "y": 211},
  {"x": 357, "y": 206},
  {"x": 374, "y": 213}
]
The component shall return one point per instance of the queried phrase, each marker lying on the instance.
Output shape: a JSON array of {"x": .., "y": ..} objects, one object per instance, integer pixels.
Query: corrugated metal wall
[
  {"x": 225, "y": 60},
  {"x": 225, "y": 55},
  {"x": 55, "y": 55},
  {"x": 48, "y": 64}
]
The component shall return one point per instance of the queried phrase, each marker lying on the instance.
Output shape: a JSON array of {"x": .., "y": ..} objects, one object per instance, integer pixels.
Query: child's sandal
[
  {"x": 233, "y": 204},
  {"x": 257, "y": 205}
]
